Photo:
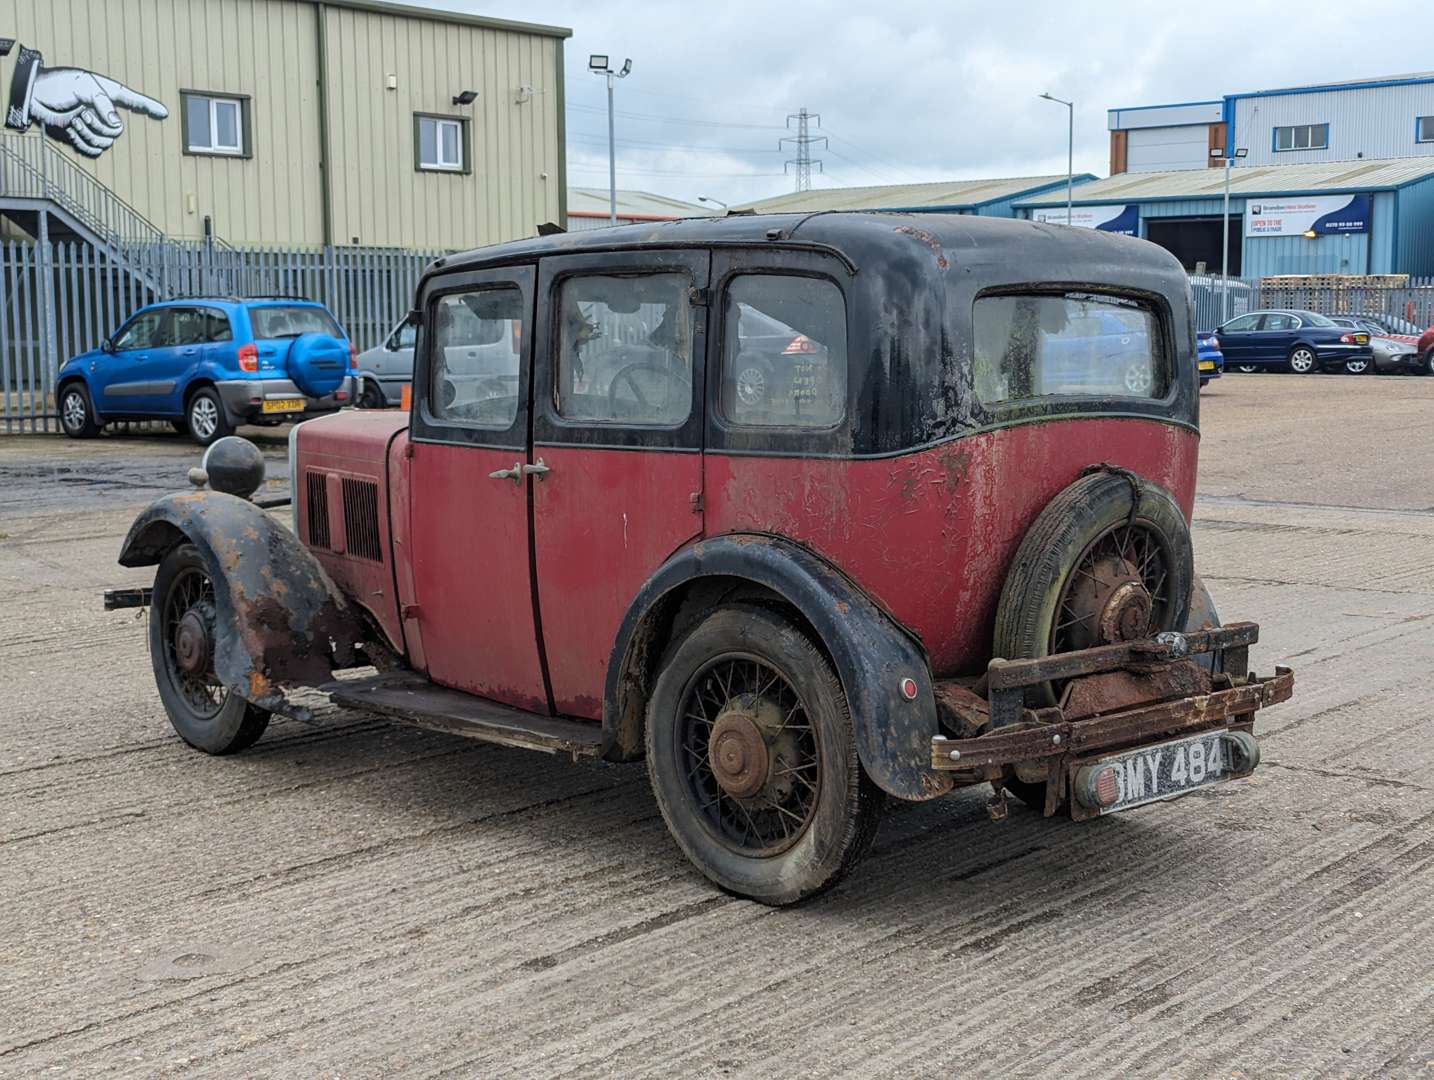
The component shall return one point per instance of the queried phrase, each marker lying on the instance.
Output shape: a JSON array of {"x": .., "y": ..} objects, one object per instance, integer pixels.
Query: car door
[
  {"x": 471, "y": 554},
  {"x": 131, "y": 385},
  {"x": 1278, "y": 330},
  {"x": 174, "y": 362},
  {"x": 1238, "y": 339},
  {"x": 617, "y": 434}
]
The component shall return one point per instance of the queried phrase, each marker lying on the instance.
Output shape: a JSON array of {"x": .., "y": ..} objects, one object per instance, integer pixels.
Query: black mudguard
[
  {"x": 871, "y": 651},
  {"x": 280, "y": 620}
]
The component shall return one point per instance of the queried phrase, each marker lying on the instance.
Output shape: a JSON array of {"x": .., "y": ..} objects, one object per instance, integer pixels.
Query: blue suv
[{"x": 208, "y": 365}]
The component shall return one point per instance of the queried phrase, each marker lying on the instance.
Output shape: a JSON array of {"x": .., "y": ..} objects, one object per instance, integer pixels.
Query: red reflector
[
  {"x": 341, "y": 395},
  {"x": 801, "y": 344},
  {"x": 908, "y": 689},
  {"x": 353, "y": 356},
  {"x": 249, "y": 357},
  {"x": 1107, "y": 786}
]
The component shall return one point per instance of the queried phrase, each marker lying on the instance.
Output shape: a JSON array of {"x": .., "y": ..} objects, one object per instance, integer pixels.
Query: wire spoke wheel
[
  {"x": 187, "y": 631},
  {"x": 1118, "y": 590},
  {"x": 750, "y": 755}
]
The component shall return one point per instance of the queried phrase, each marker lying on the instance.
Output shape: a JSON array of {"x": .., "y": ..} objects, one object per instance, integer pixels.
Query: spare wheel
[
  {"x": 318, "y": 363},
  {"x": 1108, "y": 560}
]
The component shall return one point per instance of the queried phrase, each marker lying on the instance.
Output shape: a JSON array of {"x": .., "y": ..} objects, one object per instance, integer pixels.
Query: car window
[
  {"x": 187, "y": 326},
  {"x": 404, "y": 335},
  {"x": 624, "y": 348},
  {"x": 290, "y": 320},
  {"x": 1313, "y": 318},
  {"x": 784, "y": 351},
  {"x": 216, "y": 325},
  {"x": 141, "y": 332},
  {"x": 1244, "y": 322},
  {"x": 476, "y": 353},
  {"x": 1279, "y": 321},
  {"x": 1036, "y": 346}
]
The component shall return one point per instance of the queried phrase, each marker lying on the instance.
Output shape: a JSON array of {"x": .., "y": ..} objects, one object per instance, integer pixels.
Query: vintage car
[{"x": 913, "y": 563}]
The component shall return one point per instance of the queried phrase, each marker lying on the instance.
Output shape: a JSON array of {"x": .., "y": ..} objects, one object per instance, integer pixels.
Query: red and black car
[{"x": 939, "y": 543}]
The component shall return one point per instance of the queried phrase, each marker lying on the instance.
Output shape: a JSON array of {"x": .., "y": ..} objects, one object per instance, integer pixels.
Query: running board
[{"x": 415, "y": 700}]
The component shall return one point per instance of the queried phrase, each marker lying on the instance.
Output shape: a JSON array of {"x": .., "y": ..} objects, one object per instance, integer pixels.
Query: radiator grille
[
  {"x": 361, "y": 519},
  {"x": 317, "y": 489}
]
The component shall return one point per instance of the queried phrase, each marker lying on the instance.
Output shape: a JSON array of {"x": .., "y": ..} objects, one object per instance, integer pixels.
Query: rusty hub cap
[
  {"x": 191, "y": 642},
  {"x": 1126, "y": 615},
  {"x": 738, "y": 754},
  {"x": 1107, "y": 602}
]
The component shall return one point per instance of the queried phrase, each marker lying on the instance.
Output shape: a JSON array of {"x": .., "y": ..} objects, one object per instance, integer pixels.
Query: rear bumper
[
  {"x": 1117, "y": 697},
  {"x": 244, "y": 398}
]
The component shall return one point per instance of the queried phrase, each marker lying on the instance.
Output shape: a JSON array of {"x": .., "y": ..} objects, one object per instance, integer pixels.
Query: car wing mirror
[{"x": 107, "y": 345}]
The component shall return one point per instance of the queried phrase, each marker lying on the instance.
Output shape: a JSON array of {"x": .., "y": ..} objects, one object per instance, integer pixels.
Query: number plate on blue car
[{"x": 1167, "y": 769}]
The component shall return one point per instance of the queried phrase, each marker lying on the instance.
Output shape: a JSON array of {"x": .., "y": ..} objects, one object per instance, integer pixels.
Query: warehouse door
[{"x": 1196, "y": 240}]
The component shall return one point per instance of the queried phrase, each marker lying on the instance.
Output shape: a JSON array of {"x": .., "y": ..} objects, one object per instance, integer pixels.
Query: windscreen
[
  {"x": 290, "y": 320},
  {"x": 1071, "y": 344}
]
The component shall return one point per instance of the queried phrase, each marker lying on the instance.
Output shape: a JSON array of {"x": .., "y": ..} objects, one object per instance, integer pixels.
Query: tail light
[
  {"x": 353, "y": 356},
  {"x": 800, "y": 344},
  {"x": 249, "y": 357}
]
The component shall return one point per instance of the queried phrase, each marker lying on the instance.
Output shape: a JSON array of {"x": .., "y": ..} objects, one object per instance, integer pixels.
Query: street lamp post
[
  {"x": 1070, "y": 151},
  {"x": 598, "y": 65},
  {"x": 714, "y": 202},
  {"x": 1229, "y": 160}
]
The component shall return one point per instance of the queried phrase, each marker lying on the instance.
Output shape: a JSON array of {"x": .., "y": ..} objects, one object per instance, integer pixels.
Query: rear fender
[
  {"x": 280, "y": 620},
  {"x": 871, "y": 651}
]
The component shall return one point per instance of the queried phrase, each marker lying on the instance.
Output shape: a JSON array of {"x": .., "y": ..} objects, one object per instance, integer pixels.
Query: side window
[
  {"x": 1037, "y": 346},
  {"x": 624, "y": 349},
  {"x": 187, "y": 326},
  {"x": 1244, "y": 322},
  {"x": 216, "y": 326},
  {"x": 403, "y": 337},
  {"x": 141, "y": 332},
  {"x": 784, "y": 351},
  {"x": 476, "y": 347},
  {"x": 1279, "y": 322}
]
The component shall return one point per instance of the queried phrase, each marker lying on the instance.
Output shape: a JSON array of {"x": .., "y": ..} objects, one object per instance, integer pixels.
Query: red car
[
  {"x": 928, "y": 554},
  {"x": 1426, "y": 349}
]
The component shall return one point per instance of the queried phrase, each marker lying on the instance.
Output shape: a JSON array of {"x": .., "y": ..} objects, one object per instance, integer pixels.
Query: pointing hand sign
[{"x": 83, "y": 107}]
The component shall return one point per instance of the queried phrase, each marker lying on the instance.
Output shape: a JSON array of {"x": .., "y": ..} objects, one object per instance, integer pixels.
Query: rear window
[
  {"x": 1081, "y": 344},
  {"x": 291, "y": 320}
]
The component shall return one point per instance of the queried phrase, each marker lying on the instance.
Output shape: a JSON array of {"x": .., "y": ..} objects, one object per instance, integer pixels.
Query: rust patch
[{"x": 927, "y": 239}]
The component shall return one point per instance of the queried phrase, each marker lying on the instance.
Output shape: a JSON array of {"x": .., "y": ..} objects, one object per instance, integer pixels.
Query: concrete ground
[{"x": 356, "y": 898}]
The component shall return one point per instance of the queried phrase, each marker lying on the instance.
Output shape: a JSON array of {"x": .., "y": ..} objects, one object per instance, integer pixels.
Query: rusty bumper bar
[{"x": 1127, "y": 728}]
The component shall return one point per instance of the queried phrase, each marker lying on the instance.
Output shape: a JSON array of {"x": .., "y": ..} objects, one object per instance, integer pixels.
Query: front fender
[
  {"x": 280, "y": 620},
  {"x": 872, "y": 654}
]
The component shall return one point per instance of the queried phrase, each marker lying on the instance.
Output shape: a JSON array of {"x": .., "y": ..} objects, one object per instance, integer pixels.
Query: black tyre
[
  {"x": 181, "y": 635},
  {"x": 1429, "y": 362},
  {"x": 1303, "y": 360},
  {"x": 752, "y": 757},
  {"x": 1089, "y": 574},
  {"x": 205, "y": 417},
  {"x": 372, "y": 396},
  {"x": 77, "y": 412},
  {"x": 181, "y": 426},
  {"x": 1247, "y": 369}
]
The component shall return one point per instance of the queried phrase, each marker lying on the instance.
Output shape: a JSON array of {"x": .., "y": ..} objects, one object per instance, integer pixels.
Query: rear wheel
[
  {"x": 1089, "y": 573},
  {"x": 1303, "y": 360},
  {"x": 206, "y": 715},
  {"x": 205, "y": 417},
  {"x": 77, "y": 412},
  {"x": 753, "y": 759}
]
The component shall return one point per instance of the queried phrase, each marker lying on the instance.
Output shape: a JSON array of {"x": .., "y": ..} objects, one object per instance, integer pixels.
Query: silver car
[{"x": 485, "y": 348}]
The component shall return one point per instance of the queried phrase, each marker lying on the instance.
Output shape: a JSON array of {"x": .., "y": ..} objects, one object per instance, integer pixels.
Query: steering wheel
[{"x": 625, "y": 375}]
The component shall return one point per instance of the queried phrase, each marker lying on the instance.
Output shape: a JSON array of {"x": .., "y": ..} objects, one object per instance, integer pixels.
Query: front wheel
[
  {"x": 77, "y": 413},
  {"x": 752, "y": 756},
  {"x": 1358, "y": 365},
  {"x": 372, "y": 397},
  {"x": 1303, "y": 361},
  {"x": 182, "y": 635},
  {"x": 1247, "y": 369}
]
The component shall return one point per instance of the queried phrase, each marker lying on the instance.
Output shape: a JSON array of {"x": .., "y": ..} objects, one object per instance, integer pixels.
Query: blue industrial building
[{"x": 1330, "y": 217}]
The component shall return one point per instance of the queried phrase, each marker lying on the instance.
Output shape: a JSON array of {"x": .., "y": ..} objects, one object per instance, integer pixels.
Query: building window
[
  {"x": 441, "y": 143},
  {"x": 215, "y": 124},
  {"x": 1424, "y": 129},
  {"x": 1302, "y": 137}
]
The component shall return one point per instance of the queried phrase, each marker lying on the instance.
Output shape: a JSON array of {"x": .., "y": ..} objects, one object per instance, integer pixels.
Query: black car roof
[{"x": 854, "y": 236}]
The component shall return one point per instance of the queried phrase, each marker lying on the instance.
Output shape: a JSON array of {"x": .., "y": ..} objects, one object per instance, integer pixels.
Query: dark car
[
  {"x": 922, "y": 564},
  {"x": 1292, "y": 340}
]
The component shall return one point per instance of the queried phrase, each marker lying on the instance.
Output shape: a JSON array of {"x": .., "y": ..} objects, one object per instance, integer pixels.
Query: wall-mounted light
[
  {"x": 391, "y": 81},
  {"x": 1310, "y": 234},
  {"x": 467, "y": 97},
  {"x": 524, "y": 94}
]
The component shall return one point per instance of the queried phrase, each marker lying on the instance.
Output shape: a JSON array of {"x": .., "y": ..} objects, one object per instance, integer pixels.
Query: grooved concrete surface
[{"x": 355, "y": 898}]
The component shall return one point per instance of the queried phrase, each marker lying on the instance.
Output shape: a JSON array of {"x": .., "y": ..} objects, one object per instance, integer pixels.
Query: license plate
[
  {"x": 1168, "y": 769},
  {"x": 289, "y": 404},
  {"x": 1207, "y": 365}
]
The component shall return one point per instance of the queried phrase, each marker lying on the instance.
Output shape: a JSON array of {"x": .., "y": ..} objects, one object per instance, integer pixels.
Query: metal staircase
[{"x": 37, "y": 177}]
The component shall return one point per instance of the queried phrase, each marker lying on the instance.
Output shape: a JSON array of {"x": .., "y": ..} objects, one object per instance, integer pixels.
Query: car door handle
[
  {"x": 189, "y": 352},
  {"x": 539, "y": 469},
  {"x": 514, "y": 474}
]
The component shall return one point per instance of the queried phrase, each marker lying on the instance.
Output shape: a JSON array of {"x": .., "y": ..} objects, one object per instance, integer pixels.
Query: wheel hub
[
  {"x": 1111, "y": 603},
  {"x": 737, "y": 753},
  {"x": 192, "y": 643}
]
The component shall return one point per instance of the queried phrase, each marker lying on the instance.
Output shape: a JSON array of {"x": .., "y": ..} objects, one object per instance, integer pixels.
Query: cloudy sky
[{"x": 911, "y": 91}]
